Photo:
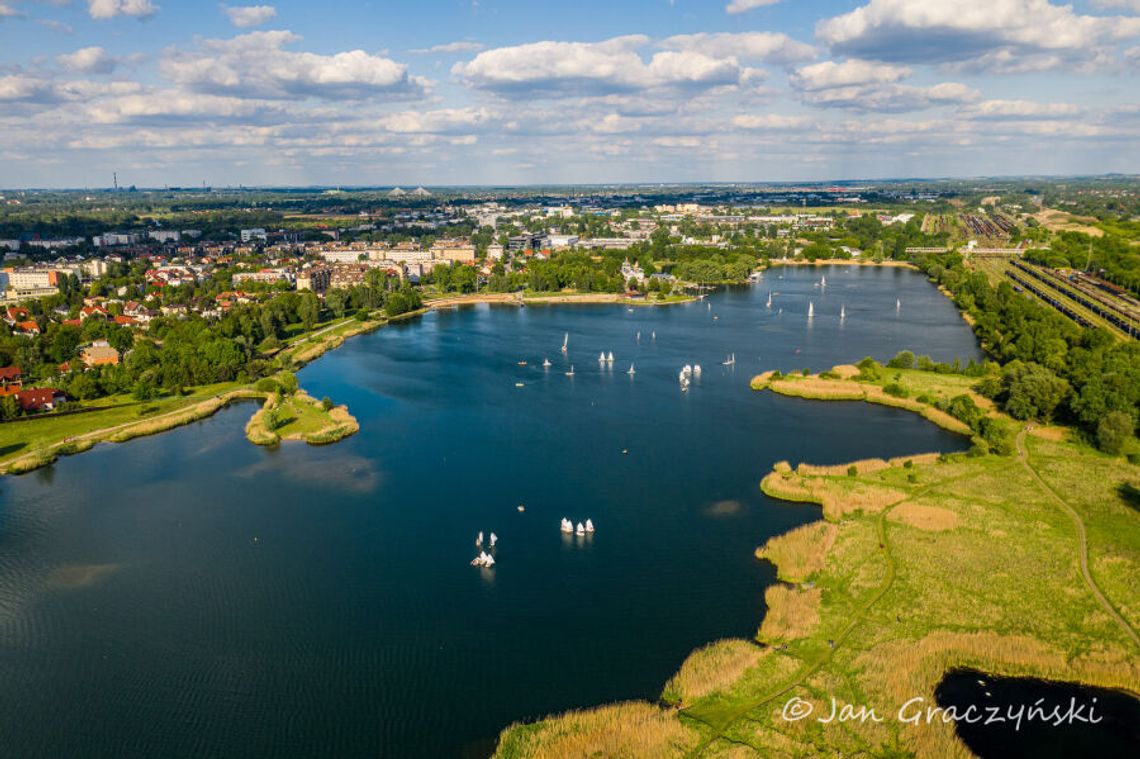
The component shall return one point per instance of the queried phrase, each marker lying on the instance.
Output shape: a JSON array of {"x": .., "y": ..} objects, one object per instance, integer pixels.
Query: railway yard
[{"x": 1084, "y": 299}]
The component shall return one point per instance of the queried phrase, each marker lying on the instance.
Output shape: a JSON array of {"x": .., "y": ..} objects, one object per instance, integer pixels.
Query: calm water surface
[
  {"x": 192, "y": 594},
  {"x": 1112, "y": 728}
]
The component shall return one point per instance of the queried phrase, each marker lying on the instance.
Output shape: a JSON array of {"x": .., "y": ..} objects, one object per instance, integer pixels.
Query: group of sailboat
[
  {"x": 569, "y": 528},
  {"x": 688, "y": 373},
  {"x": 604, "y": 359},
  {"x": 484, "y": 559}
]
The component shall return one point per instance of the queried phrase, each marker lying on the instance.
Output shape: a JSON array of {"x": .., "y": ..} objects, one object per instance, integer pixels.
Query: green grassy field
[
  {"x": 926, "y": 564},
  {"x": 20, "y": 438}
]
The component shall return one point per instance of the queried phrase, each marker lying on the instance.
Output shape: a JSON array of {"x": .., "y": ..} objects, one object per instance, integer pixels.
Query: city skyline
[{"x": 505, "y": 93}]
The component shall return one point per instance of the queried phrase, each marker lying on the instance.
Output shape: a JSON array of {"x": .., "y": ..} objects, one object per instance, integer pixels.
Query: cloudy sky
[{"x": 180, "y": 92}]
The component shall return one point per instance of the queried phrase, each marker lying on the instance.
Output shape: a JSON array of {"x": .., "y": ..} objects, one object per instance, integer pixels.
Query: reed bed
[
  {"x": 799, "y": 554},
  {"x": 927, "y": 518},
  {"x": 792, "y": 613},
  {"x": 630, "y": 729},
  {"x": 712, "y": 668}
]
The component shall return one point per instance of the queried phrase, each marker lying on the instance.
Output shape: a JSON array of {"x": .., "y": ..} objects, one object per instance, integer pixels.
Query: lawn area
[
  {"x": 22, "y": 437},
  {"x": 925, "y": 564}
]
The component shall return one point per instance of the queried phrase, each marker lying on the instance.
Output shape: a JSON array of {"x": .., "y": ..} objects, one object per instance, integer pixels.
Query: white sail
[
  {"x": 546, "y": 362},
  {"x": 479, "y": 539},
  {"x": 581, "y": 529},
  {"x": 567, "y": 525},
  {"x": 842, "y": 313},
  {"x": 823, "y": 281},
  {"x": 610, "y": 358},
  {"x": 811, "y": 310},
  {"x": 769, "y": 299},
  {"x": 589, "y": 526},
  {"x": 571, "y": 372},
  {"x": 602, "y": 357},
  {"x": 639, "y": 336},
  {"x": 565, "y": 341},
  {"x": 494, "y": 539},
  {"x": 631, "y": 369},
  {"x": 898, "y": 305},
  {"x": 697, "y": 370}
]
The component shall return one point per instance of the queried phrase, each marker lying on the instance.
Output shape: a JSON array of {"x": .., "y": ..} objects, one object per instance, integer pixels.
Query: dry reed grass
[
  {"x": 712, "y": 668},
  {"x": 792, "y": 613},
  {"x": 800, "y": 553},
  {"x": 632, "y": 729},
  {"x": 928, "y": 518}
]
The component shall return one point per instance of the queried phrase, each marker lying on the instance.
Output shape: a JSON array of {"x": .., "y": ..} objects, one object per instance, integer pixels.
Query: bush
[
  {"x": 912, "y": 477},
  {"x": 1114, "y": 430},
  {"x": 869, "y": 370},
  {"x": 908, "y": 464},
  {"x": 902, "y": 360},
  {"x": 852, "y": 471},
  {"x": 896, "y": 390},
  {"x": 326, "y": 403},
  {"x": 268, "y": 385},
  {"x": 829, "y": 374},
  {"x": 288, "y": 383}
]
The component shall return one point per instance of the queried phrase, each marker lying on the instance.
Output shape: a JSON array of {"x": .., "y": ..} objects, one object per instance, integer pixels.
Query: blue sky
[{"x": 171, "y": 92}]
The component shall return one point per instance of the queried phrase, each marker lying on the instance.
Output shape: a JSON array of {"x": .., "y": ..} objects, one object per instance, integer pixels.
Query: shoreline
[
  {"x": 886, "y": 263},
  {"x": 296, "y": 354},
  {"x": 812, "y": 641}
]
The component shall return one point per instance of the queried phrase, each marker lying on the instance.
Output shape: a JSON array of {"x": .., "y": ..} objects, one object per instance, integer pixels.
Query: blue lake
[{"x": 192, "y": 594}]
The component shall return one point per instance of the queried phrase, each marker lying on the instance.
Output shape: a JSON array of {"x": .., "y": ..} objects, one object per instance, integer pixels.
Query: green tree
[{"x": 1114, "y": 430}]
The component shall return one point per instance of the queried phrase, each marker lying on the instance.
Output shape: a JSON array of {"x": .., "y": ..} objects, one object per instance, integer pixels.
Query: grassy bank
[
  {"x": 32, "y": 444},
  {"x": 922, "y": 565},
  {"x": 36, "y": 442},
  {"x": 299, "y": 417}
]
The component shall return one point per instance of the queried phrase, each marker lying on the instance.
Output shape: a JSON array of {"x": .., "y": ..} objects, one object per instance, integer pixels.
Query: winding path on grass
[{"x": 1082, "y": 538}]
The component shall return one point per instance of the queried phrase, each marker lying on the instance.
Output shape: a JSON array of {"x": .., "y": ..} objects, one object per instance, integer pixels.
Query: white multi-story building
[
  {"x": 165, "y": 235},
  {"x": 109, "y": 239},
  {"x": 256, "y": 233}
]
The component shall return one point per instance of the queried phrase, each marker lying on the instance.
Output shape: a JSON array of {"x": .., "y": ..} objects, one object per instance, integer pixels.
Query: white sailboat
[
  {"x": 571, "y": 372},
  {"x": 602, "y": 357},
  {"x": 842, "y": 314},
  {"x": 494, "y": 539},
  {"x": 610, "y": 358},
  {"x": 565, "y": 341},
  {"x": 631, "y": 369},
  {"x": 589, "y": 526},
  {"x": 769, "y": 304},
  {"x": 696, "y": 370},
  {"x": 479, "y": 539},
  {"x": 567, "y": 525},
  {"x": 823, "y": 282},
  {"x": 639, "y": 336},
  {"x": 581, "y": 530},
  {"x": 653, "y": 334},
  {"x": 546, "y": 363},
  {"x": 730, "y": 361},
  {"x": 898, "y": 305},
  {"x": 811, "y": 310}
]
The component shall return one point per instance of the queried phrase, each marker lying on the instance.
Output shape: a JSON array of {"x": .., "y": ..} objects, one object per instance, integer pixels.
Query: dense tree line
[{"x": 1051, "y": 368}]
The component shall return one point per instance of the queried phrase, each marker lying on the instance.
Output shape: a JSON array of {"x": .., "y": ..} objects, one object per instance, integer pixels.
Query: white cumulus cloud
[
  {"x": 743, "y": 6},
  {"x": 555, "y": 69},
  {"x": 104, "y": 9},
  {"x": 246, "y": 16},
  {"x": 258, "y": 65},
  {"x": 975, "y": 33},
  {"x": 88, "y": 60},
  {"x": 769, "y": 47}
]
